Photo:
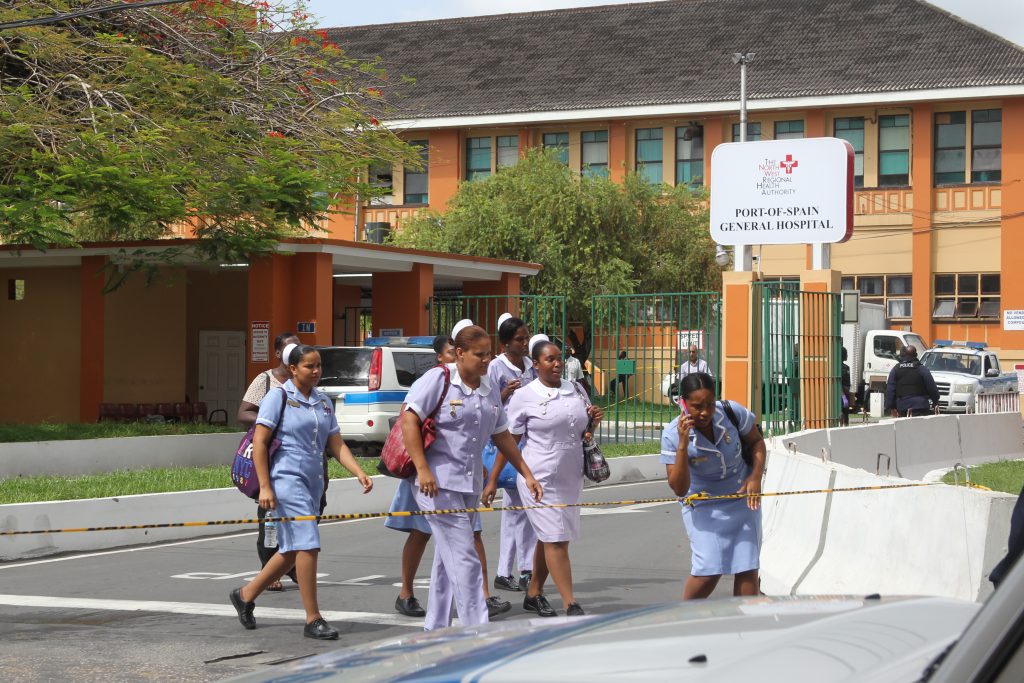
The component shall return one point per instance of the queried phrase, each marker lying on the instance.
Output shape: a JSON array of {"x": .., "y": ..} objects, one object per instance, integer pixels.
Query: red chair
[
  {"x": 183, "y": 412},
  {"x": 127, "y": 412},
  {"x": 165, "y": 410},
  {"x": 199, "y": 411},
  {"x": 108, "y": 411},
  {"x": 146, "y": 409}
]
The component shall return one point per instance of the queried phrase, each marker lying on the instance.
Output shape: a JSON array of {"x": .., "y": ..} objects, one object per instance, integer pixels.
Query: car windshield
[
  {"x": 345, "y": 366},
  {"x": 939, "y": 361}
]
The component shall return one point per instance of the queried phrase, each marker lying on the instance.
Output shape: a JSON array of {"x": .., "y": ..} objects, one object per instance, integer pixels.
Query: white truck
[
  {"x": 873, "y": 349},
  {"x": 963, "y": 371}
]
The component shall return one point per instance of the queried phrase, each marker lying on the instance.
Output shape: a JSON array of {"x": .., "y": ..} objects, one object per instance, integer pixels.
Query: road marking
[
  {"x": 622, "y": 509},
  {"x": 361, "y": 581},
  {"x": 201, "y": 609}
]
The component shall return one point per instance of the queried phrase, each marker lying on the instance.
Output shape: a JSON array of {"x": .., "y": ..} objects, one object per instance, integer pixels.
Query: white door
[{"x": 222, "y": 371}]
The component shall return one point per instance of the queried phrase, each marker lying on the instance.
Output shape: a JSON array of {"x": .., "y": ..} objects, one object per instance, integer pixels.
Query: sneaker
[
  {"x": 540, "y": 605},
  {"x": 524, "y": 580},
  {"x": 496, "y": 606},
  {"x": 244, "y": 609},
  {"x": 410, "y": 607},
  {"x": 320, "y": 630},
  {"x": 507, "y": 583},
  {"x": 574, "y": 610}
]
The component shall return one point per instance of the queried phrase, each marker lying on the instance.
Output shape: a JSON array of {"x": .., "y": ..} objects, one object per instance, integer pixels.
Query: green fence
[
  {"x": 797, "y": 357},
  {"x": 637, "y": 344},
  {"x": 542, "y": 314}
]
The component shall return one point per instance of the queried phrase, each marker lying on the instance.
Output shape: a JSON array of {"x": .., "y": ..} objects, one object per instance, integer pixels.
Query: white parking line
[{"x": 201, "y": 609}]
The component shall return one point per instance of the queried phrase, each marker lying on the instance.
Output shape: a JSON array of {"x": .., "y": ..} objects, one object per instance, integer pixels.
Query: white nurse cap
[
  {"x": 503, "y": 317},
  {"x": 460, "y": 326},
  {"x": 537, "y": 339}
]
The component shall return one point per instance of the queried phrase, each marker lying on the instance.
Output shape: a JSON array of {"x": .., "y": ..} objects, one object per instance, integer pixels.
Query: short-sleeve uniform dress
[
  {"x": 552, "y": 422},
  {"x": 725, "y": 535},
  {"x": 297, "y": 470}
]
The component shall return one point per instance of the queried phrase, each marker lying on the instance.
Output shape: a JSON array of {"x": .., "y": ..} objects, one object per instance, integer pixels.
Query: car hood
[
  {"x": 946, "y": 376},
  {"x": 829, "y": 638}
]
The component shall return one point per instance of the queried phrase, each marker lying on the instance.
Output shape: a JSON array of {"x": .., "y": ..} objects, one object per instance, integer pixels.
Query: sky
[{"x": 1003, "y": 17}]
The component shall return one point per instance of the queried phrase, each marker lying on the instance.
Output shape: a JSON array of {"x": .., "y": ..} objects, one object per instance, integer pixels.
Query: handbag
[
  {"x": 507, "y": 477},
  {"x": 243, "y": 469},
  {"x": 595, "y": 465},
  {"x": 394, "y": 458},
  {"x": 745, "y": 450}
]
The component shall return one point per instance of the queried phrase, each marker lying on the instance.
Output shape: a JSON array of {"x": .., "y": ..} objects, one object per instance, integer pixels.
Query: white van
[{"x": 369, "y": 383}]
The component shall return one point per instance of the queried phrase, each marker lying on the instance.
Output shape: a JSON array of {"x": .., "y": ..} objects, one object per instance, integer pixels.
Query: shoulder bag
[
  {"x": 595, "y": 465},
  {"x": 243, "y": 469},
  {"x": 745, "y": 450},
  {"x": 394, "y": 458}
]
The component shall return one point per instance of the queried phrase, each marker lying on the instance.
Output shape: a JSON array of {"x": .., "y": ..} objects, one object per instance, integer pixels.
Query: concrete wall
[{"x": 932, "y": 540}]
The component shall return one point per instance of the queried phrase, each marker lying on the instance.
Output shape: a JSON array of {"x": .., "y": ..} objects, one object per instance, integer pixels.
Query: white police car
[{"x": 369, "y": 383}]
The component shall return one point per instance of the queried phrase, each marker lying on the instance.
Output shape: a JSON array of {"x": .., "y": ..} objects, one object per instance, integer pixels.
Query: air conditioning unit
[{"x": 376, "y": 232}]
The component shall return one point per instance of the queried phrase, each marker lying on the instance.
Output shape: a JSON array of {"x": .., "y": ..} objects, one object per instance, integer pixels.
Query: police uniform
[
  {"x": 466, "y": 419},
  {"x": 725, "y": 535},
  {"x": 517, "y": 536},
  {"x": 297, "y": 470},
  {"x": 909, "y": 388}
]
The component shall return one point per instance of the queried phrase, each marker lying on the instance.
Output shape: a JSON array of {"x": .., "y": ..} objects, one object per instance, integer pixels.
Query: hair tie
[
  {"x": 537, "y": 339},
  {"x": 460, "y": 326},
  {"x": 503, "y": 317},
  {"x": 287, "y": 352}
]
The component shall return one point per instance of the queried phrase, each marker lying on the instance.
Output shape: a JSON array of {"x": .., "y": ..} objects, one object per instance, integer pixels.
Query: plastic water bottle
[{"x": 270, "y": 535}]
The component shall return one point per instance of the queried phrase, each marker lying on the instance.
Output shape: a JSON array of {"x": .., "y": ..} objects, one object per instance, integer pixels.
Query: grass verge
[
  {"x": 10, "y": 433},
  {"x": 1006, "y": 476}
]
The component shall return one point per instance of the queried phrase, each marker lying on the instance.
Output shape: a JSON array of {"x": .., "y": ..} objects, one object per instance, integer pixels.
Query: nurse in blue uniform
[
  {"x": 292, "y": 484},
  {"x": 449, "y": 475},
  {"x": 702, "y": 451}
]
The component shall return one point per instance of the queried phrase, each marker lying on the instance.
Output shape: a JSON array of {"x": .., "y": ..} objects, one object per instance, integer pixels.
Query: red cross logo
[{"x": 789, "y": 163}]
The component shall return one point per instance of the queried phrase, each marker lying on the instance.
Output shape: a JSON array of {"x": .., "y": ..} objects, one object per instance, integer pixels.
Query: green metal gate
[
  {"x": 797, "y": 357},
  {"x": 637, "y": 344},
  {"x": 542, "y": 314}
]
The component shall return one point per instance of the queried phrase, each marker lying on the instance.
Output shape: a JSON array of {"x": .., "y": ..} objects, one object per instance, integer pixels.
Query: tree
[
  {"x": 122, "y": 125},
  {"x": 592, "y": 235}
]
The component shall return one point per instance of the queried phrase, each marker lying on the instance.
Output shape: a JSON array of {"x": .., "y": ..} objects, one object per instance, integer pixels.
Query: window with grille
[{"x": 966, "y": 296}]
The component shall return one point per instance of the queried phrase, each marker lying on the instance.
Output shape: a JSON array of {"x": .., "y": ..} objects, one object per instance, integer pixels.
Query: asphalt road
[{"x": 161, "y": 613}]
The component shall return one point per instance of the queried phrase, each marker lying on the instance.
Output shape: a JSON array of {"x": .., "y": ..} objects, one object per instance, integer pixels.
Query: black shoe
[
  {"x": 244, "y": 609},
  {"x": 410, "y": 607},
  {"x": 319, "y": 629},
  {"x": 574, "y": 610},
  {"x": 540, "y": 605},
  {"x": 524, "y": 580},
  {"x": 507, "y": 583},
  {"x": 496, "y": 606}
]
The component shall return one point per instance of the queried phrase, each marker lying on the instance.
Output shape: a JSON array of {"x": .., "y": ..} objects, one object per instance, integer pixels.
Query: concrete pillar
[
  {"x": 817, "y": 345},
  {"x": 1012, "y": 232},
  {"x": 90, "y": 384},
  {"x": 923, "y": 195},
  {"x": 312, "y": 296},
  {"x": 270, "y": 297},
  {"x": 713, "y": 137},
  {"x": 445, "y": 167},
  {"x": 738, "y": 338},
  {"x": 400, "y": 300},
  {"x": 814, "y": 127},
  {"x": 617, "y": 144}
]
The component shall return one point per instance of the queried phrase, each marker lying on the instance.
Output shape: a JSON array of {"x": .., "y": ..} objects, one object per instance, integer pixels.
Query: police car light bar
[
  {"x": 423, "y": 340},
  {"x": 968, "y": 344}
]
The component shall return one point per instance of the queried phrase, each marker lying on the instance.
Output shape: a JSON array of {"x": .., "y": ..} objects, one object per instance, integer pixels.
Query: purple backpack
[{"x": 243, "y": 469}]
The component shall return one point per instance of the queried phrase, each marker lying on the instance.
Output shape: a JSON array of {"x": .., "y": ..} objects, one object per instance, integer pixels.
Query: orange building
[{"x": 933, "y": 106}]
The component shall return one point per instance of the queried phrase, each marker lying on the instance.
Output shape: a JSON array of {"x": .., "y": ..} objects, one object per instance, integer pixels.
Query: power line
[{"x": 58, "y": 18}]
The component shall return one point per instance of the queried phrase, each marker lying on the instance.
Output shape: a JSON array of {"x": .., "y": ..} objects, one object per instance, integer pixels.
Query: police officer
[{"x": 910, "y": 387}]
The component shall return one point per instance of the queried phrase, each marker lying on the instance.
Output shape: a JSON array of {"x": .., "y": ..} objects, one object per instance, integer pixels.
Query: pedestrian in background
[
  {"x": 702, "y": 450},
  {"x": 910, "y": 390},
  {"x": 292, "y": 485},
  {"x": 693, "y": 364},
  {"x": 248, "y": 411}
]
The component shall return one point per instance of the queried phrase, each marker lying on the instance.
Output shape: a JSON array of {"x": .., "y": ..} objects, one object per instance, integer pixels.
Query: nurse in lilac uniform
[
  {"x": 449, "y": 475},
  {"x": 552, "y": 414},
  {"x": 702, "y": 451},
  {"x": 510, "y": 372}
]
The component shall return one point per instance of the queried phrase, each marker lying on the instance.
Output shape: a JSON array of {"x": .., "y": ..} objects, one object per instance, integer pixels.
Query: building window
[
  {"x": 892, "y": 291},
  {"x": 508, "y": 150},
  {"x": 560, "y": 143},
  {"x": 15, "y": 290},
  {"x": 950, "y": 147},
  {"x": 966, "y": 296},
  {"x": 986, "y": 145},
  {"x": 648, "y": 154},
  {"x": 381, "y": 179},
  {"x": 478, "y": 158},
  {"x": 851, "y": 129},
  {"x": 690, "y": 156},
  {"x": 415, "y": 181},
  {"x": 894, "y": 150},
  {"x": 594, "y": 152},
  {"x": 789, "y": 130},
  {"x": 753, "y": 131}
]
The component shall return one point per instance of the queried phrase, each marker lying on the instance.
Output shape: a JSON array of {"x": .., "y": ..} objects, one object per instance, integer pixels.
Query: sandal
[{"x": 276, "y": 587}]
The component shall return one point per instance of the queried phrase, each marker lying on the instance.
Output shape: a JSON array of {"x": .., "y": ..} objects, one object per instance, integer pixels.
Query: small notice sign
[
  {"x": 306, "y": 328},
  {"x": 259, "y": 344},
  {"x": 391, "y": 331},
  {"x": 688, "y": 338},
  {"x": 1013, "y": 319}
]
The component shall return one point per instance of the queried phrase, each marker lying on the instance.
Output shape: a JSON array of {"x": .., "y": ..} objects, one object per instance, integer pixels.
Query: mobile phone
[{"x": 682, "y": 404}]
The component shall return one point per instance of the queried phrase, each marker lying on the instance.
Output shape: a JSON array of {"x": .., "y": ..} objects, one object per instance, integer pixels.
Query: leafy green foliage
[{"x": 592, "y": 235}]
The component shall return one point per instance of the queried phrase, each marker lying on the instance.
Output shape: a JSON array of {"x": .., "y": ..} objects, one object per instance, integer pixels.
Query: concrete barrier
[
  {"x": 95, "y": 456},
  {"x": 997, "y": 435},
  {"x": 859, "y": 447}
]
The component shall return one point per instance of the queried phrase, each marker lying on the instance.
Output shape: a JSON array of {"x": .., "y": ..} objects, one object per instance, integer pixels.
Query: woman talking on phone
[{"x": 702, "y": 450}]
